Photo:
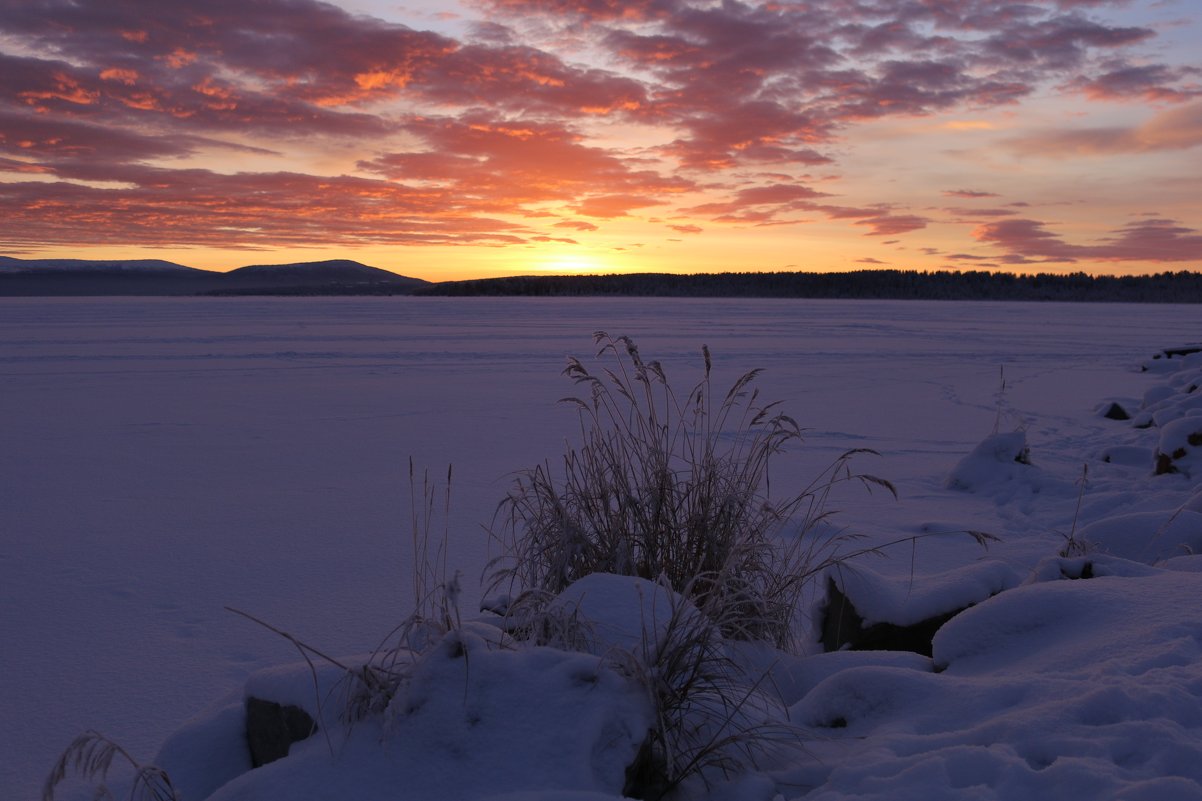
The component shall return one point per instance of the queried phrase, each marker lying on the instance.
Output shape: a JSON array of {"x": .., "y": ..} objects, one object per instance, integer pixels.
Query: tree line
[{"x": 1166, "y": 287}]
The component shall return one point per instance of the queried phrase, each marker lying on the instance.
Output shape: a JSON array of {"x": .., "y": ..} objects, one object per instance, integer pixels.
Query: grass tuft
[{"x": 673, "y": 488}]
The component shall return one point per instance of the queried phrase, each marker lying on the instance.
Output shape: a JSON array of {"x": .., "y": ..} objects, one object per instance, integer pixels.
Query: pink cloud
[
  {"x": 890, "y": 224},
  {"x": 1154, "y": 240},
  {"x": 781, "y": 197},
  {"x": 968, "y": 193},
  {"x": 1155, "y": 82},
  {"x": 966, "y": 212}
]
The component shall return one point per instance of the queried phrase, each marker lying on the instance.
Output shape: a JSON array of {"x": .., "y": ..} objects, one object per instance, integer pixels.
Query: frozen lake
[{"x": 161, "y": 459}]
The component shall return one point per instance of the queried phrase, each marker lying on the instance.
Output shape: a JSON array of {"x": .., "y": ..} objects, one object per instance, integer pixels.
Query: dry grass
[
  {"x": 90, "y": 756},
  {"x": 710, "y": 717},
  {"x": 1072, "y": 546},
  {"x": 673, "y": 489},
  {"x": 435, "y": 605}
]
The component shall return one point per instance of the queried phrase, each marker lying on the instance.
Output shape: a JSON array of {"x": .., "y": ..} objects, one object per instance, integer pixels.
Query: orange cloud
[
  {"x": 127, "y": 77},
  {"x": 614, "y": 205}
]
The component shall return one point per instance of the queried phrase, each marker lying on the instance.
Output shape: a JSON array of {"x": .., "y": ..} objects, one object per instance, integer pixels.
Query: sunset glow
[{"x": 501, "y": 137}]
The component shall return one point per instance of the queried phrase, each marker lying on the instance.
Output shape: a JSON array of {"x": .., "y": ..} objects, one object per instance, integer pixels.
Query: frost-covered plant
[
  {"x": 367, "y": 688},
  {"x": 710, "y": 717},
  {"x": 1073, "y": 546},
  {"x": 91, "y": 755},
  {"x": 676, "y": 487},
  {"x": 435, "y": 605}
]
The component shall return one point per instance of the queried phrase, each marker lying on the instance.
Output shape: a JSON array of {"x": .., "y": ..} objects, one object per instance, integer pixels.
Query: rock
[
  {"x": 1116, "y": 412},
  {"x": 843, "y": 626},
  {"x": 1180, "y": 447},
  {"x": 271, "y": 729},
  {"x": 1185, "y": 350}
]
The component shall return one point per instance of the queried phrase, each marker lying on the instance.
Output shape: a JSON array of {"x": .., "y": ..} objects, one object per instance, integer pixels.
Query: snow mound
[
  {"x": 1066, "y": 689},
  {"x": 1148, "y": 537},
  {"x": 472, "y": 721},
  {"x": 998, "y": 459},
  {"x": 1054, "y": 627},
  {"x": 625, "y": 612}
]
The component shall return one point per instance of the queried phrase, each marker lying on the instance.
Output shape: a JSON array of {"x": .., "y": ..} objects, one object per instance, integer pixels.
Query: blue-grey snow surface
[{"x": 161, "y": 459}]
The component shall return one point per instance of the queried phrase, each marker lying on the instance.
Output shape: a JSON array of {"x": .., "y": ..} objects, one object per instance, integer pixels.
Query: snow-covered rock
[{"x": 998, "y": 459}]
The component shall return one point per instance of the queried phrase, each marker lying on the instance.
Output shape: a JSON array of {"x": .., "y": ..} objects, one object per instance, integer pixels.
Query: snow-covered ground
[{"x": 161, "y": 459}]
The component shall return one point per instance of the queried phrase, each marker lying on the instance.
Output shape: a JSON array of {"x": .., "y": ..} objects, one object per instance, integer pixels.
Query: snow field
[{"x": 177, "y": 456}]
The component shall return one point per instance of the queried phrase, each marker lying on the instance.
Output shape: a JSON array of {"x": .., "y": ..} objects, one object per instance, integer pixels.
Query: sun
[{"x": 563, "y": 263}]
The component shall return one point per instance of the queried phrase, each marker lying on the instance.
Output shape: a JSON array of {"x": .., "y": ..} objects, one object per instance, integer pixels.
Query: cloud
[
  {"x": 41, "y": 136},
  {"x": 614, "y": 205},
  {"x": 1154, "y": 82},
  {"x": 968, "y": 193},
  {"x": 248, "y": 210},
  {"x": 735, "y": 104},
  {"x": 593, "y": 10},
  {"x": 502, "y": 164},
  {"x": 1059, "y": 42},
  {"x": 974, "y": 213},
  {"x": 1154, "y": 240},
  {"x": 18, "y": 166},
  {"x": 190, "y": 103},
  {"x": 1175, "y": 129},
  {"x": 54, "y": 140},
  {"x": 579, "y": 225},
  {"x": 891, "y": 224},
  {"x": 525, "y": 78},
  {"x": 768, "y": 200}
]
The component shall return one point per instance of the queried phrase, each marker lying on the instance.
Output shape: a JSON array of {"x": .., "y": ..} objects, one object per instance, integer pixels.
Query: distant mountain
[
  {"x": 31, "y": 277},
  {"x": 321, "y": 277},
  {"x": 157, "y": 266}
]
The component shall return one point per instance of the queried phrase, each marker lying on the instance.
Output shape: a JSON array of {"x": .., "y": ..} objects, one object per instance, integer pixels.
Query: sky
[{"x": 450, "y": 140}]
